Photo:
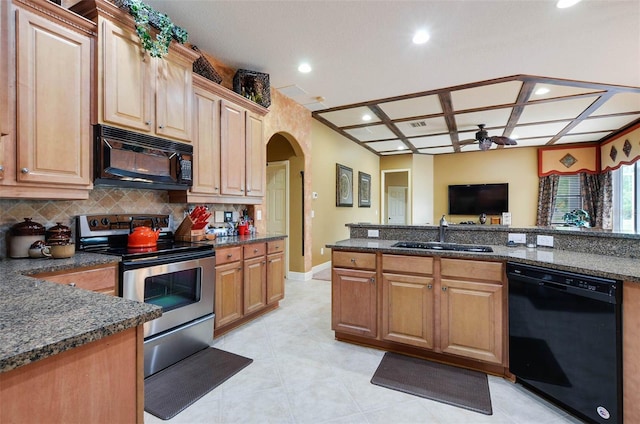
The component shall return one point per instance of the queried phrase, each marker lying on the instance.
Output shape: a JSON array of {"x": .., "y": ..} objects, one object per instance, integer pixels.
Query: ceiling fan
[{"x": 484, "y": 140}]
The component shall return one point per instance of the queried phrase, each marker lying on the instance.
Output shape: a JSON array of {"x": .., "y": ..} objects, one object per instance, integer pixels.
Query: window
[
  {"x": 626, "y": 181},
  {"x": 568, "y": 197}
]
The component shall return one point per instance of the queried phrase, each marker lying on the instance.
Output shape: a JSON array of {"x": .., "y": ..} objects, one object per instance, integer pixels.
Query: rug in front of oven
[
  {"x": 440, "y": 382},
  {"x": 173, "y": 389}
]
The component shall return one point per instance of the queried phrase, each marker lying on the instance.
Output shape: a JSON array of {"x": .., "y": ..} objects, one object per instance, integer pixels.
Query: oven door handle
[{"x": 165, "y": 259}]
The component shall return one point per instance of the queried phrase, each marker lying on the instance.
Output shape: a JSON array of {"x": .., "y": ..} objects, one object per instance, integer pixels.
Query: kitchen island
[
  {"x": 424, "y": 280},
  {"x": 67, "y": 354}
]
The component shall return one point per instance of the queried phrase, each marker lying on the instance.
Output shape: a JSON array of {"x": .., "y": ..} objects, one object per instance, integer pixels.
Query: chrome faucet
[{"x": 443, "y": 225}]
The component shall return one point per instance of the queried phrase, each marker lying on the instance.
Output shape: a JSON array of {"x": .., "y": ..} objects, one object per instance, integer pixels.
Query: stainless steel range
[{"x": 178, "y": 276}]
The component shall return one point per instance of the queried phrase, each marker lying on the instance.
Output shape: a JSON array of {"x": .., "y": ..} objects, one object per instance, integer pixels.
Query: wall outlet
[
  {"x": 545, "y": 241},
  {"x": 313, "y": 213},
  {"x": 314, "y": 195},
  {"x": 518, "y": 238},
  {"x": 258, "y": 215},
  {"x": 322, "y": 250},
  {"x": 373, "y": 233}
]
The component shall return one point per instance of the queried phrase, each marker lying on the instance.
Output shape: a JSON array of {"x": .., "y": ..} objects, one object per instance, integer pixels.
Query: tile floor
[{"x": 301, "y": 374}]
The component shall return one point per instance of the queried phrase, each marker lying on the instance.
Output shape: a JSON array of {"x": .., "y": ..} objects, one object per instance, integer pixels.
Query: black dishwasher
[{"x": 565, "y": 339}]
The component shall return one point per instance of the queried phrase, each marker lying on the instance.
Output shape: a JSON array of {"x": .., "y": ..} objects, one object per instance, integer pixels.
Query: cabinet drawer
[
  {"x": 229, "y": 254},
  {"x": 254, "y": 250},
  {"x": 275, "y": 246},
  {"x": 492, "y": 271},
  {"x": 407, "y": 264},
  {"x": 354, "y": 260},
  {"x": 103, "y": 279}
]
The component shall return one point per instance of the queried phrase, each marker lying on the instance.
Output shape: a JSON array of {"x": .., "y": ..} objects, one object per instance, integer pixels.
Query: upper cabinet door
[
  {"x": 173, "y": 97},
  {"x": 232, "y": 149},
  {"x": 125, "y": 96},
  {"x": 53, "y": 102},
  {"x": 206, "y": 143},
  {"x": 255, "y": 156}
]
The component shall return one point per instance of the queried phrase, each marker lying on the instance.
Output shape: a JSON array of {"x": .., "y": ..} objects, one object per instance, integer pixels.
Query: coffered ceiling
[{"x": 483, "y": 64}]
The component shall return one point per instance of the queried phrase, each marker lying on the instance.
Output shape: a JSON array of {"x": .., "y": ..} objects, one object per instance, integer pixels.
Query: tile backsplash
[{"x": 101, "y": 200}]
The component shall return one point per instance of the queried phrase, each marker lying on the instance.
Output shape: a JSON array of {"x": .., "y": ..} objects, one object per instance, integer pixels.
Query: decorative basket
[
  {"x": 202, "y": 67},
  {"x": 253, "y": 85}
]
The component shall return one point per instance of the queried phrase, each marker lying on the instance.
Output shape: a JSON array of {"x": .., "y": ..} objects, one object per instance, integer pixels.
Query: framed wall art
[
  {"x": 364, "y": 190},
  {"x": 344, "y": 185}
]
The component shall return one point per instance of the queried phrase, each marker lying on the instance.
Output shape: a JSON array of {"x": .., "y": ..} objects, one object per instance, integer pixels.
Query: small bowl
[{"x": 60, "y": 251}]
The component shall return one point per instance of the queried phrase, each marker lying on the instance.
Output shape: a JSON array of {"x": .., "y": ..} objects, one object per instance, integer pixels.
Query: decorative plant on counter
[
  {"x": 145, "y": 16},
  {"x": 577, "y": 218}
]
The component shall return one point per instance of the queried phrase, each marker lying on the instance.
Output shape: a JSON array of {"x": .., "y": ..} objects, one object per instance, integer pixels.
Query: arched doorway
[{"x": 284, "y": 201}]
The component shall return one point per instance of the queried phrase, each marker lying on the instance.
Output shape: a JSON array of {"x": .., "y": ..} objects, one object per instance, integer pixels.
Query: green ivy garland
[{"x": 144, "y": 17}]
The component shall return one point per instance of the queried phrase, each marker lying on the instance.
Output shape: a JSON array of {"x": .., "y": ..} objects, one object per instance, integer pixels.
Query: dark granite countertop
[
  {"x": 620, "y": 268},
  {"x": 221, "y": 242},
  {"x": 39, "y": 319}
]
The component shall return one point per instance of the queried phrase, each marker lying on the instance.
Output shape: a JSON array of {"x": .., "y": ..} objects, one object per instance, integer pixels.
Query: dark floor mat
[
  {"x": 451, "y": 385},
  {"x": 173, "y": 389}
]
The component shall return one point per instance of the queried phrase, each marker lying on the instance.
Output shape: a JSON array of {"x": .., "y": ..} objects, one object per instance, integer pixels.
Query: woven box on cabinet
[
  {"x": 202, "y": 67},
  {"x": 253, "y": 85}
]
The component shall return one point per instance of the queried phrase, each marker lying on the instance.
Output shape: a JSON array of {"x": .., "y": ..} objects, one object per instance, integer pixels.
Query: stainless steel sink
[{"x": 434, "y": 245}]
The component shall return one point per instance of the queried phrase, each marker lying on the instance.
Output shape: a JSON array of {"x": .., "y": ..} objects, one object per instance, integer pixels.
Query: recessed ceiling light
[
  {"x": 305, "y": 68},
  {"x": 420, "y": 37},
  {"x": 366, "y": 117},
  {"x": 563, "y": 4},
  {"x": 542, "y": 90}
]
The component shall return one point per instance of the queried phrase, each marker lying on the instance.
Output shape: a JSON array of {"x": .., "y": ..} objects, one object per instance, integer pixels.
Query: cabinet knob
[
  {"x": 241, "y": 190},
  {"x": 215, "y": 188},
  {"x": 255, "y": 250},
  {"x": 353, "y": 260},
  {"x": 248, "y": 190},
  {"x": 229, "y": 255},
  {"x": 372, "y": 279},
  {"x": 429, "y": 286},
  {"x": 264, "y": 262},
  {"x": 25, "y": 170},
  {"x": 444, "y": 289},
  {"x": 161, "y": 126},
  {"x": 148, "y": 123}
]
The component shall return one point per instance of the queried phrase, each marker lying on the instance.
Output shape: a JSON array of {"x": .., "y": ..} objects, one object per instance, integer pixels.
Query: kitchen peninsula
[
  {"x": 372, "y": 279},
  {"x": 77, "y": 353}
]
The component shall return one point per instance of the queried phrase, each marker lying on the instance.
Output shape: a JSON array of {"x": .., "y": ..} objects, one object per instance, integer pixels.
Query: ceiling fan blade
[
  {"x": 503, "y": 141},
  {"x": 467, "y": 141}
]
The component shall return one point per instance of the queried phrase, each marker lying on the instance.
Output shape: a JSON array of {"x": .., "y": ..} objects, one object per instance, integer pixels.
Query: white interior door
[
  {"x": 397, "y": 205},
  {"x": 278, "y": 202}
]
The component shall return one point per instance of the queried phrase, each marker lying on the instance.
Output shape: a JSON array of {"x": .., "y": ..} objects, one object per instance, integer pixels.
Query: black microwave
[{"x": 128, "y": 159}]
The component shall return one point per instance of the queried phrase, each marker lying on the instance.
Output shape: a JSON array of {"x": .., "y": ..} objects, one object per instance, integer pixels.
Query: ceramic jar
[
  {"x": 22, "y": 236},
  {"x": 58, "y": 234}
]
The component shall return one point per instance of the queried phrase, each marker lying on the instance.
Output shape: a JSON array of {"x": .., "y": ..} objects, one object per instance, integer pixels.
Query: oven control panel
[{"x": 107, "y": 224}]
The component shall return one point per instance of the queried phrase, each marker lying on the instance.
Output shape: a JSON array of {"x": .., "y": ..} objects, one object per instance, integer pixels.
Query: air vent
[{"x": 418, "y": 124}]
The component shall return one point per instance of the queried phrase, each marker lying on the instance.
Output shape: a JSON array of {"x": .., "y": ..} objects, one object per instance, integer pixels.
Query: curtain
[
  {"x": 547, "y": 189},
  {"x": 597, "y": 191}
]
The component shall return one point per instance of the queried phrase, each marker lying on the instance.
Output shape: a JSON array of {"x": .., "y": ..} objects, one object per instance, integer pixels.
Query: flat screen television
[{"x": 474, "y": 199}]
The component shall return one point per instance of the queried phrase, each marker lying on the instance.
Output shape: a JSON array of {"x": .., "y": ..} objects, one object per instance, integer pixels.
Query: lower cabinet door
[
  {"x": 408, "y": 309},
  {"x": 255, "y": 284},
  {"x": 275, "y": 278},
  {"x": 471, "y": 319},
  {"x": 228, "y": 301},
  {"x": 354, "y": 302}
]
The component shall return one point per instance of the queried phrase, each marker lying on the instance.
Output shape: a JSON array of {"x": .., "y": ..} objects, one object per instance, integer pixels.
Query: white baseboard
[{"x": 306, "y": 276}]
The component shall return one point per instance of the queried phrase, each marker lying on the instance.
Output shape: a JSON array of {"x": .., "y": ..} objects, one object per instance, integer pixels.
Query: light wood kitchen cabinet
[
  {"x": 99, "y": 382},
  {"x": 229, "y": 286},
  {"x": 249, "y": 282},
  {"x": 206, "y": 146},
  {"x": 354, "y": 293},
  {"x": 101, "y": 279},
  {"x": 138, "y": 92},
  {"x": 472, "y": 309},
  {"x": 275, "y": 271},
  {"x": 229, "y": 148},
  {"x": 255, "y": 277},
  {"x": 408, "y": 300},
  {"x": 242, "y": 151},
  {"x": 46, "y": 126}
]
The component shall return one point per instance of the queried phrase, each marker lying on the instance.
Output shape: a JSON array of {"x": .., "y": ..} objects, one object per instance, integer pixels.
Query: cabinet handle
[
  {"x": 239, "y": 269},
  {"x": 372, "y": 279},
  {"x": 148, "y": 123},
  {"x": 353, "y": 260},
  {"x": 241, "y": 190},
  {"x": 72, "y": 284},
  {"x": 215, "y": 188},
  {"x": 229, "y": 255},
  {"x": 248, "y": 190},
  {"x": 161, "y": 126},
  {"x": 25, "y": 170},
  {"x": 255, "y": 250},
  {"x": 429, "y": 286},
  {"x": 444, "y": 289},
  {"x": 264, "y": 262}
]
